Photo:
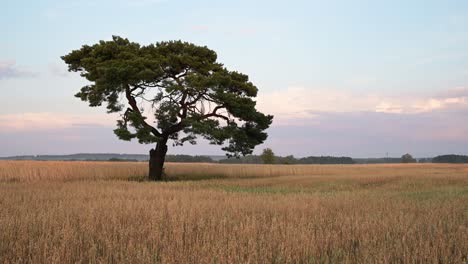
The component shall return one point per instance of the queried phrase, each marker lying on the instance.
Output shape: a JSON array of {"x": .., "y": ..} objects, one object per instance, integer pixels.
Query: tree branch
[
  {"x": 218, "y": 116},
  {"x": 215, "y": 114},
  {"x": 200, "y": 96},
  {"x": 133, "y": 104}
]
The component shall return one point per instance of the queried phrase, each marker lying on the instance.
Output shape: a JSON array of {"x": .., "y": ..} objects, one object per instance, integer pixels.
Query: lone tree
[
  {"x": 407, "y": 158},
  {"x": 268, "y": 157},
  {"x": 171, "y": 90}
]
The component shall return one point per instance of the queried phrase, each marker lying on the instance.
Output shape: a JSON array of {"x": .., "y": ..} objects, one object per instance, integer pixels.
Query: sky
[{"x": 344, "y": 78}]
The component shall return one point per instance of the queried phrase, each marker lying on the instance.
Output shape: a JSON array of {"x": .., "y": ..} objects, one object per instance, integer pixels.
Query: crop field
[{"x": 88, "y": 212}]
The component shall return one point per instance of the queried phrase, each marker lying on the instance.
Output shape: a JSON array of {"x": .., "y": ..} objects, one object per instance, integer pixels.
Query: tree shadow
[
  {"x": 189, "y": 177},
  {"x": 178, "y": 178}
]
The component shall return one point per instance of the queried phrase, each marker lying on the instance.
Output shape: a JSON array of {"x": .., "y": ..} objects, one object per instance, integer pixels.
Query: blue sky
[{"x": 333, "y": 73}]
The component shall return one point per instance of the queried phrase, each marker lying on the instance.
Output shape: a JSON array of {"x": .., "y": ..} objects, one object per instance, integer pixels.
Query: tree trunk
[{"x": 156, "y": 161}]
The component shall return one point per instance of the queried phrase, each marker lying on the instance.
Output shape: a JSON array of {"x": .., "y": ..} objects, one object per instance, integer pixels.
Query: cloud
[
  {"x": 51, "y": 121},
  {"x": 97, "y": 139},
  {"x": 300, "y": 102},
  {"x": 454, "y": 93},
  {"x": 307, "y": 122},
  {"x": 371, "y": 134},
  {"x": 9, "y": 69},
  {"x": 331, "y": 122},
  {"x": 441, "y": 104},
  {"x": 296, "y": 103},
  {"x": 388, "y": 107},
  {"x": 356, "y": 134}
]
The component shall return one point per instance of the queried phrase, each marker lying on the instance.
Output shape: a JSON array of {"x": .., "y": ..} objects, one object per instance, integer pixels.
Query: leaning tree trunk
[{"x": 156, "y": 161}]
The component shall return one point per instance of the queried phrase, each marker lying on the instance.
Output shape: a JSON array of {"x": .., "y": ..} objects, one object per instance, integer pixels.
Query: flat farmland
[{"x": 62, "y": 212}]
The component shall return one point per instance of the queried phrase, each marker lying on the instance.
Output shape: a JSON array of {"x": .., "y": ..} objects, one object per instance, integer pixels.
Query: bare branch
[
  {"x": 218, "y": 116},
  {"x": 133, "y": 104}
]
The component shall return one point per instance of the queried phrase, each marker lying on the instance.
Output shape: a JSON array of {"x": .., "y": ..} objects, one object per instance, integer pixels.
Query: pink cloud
[
  {"x": 9, "y": 69},
  {"x": 455, "y": 92},
  {"x": 295, "y": 103},
  {"x": 50, "y": 121}
]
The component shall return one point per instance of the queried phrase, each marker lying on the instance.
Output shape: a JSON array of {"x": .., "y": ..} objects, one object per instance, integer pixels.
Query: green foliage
[
  {"x": 378, "y": 160},
  {"x": 122, "y": 160},
  {"x": 407, "y": 158},
  {"x": 326, "y": 160},
  {"x": 450, "y": 159},
  {"x": 425, "y": 160},
  {"x": 268, "y": 157},
  {"x": 253, "y": 159},
  {"x": 189, "y": 93},
  {"x": 248, "y": 159},
  {"x": 287, "y": 160},
  {"x": 188, "y": 158}
]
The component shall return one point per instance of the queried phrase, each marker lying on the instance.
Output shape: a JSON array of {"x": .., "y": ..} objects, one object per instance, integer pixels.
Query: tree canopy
[
  {"x": 187, "y": 92},
  {"x": 268, "y": 156},
  {"x": 407, "y": 158},
  {"x": 450, "y": 159}
]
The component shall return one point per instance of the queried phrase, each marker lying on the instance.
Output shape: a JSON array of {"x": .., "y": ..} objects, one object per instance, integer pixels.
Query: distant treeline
[
  {"x": 378, "y": 160},
  {"x": 249, "y": 159},
  {"x": 84, "y": 157},
  {"x": 188, "y": 158},
  {"x": 254, "y": 159},
  {"x": 450, "y": 159},
  {"x": 174, "y": 158},
  {"x": 437, "y": 159},
  {"x": 111, "y": 157}
]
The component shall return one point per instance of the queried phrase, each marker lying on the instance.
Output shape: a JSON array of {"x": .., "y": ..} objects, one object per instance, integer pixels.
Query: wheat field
[{"x": 68, "y": 212}]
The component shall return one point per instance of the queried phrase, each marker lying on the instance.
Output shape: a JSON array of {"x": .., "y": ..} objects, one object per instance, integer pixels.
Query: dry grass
[
  {"x": 89, "y": 170},
  {"x": 61, "y": 212},
  {"x": 69, "y": 170}
]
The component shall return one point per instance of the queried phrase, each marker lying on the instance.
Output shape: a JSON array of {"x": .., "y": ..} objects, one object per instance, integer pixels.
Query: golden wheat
[
  {"x": 90, "y": 170},
  {"x": 67, "y": 212},
  {"x": 69, "y": 170}
]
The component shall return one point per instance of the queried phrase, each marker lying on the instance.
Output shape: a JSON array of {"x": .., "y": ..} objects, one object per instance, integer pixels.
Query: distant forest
[
  {"x": 249, "y": 159},
  {"x": 255, "y": 159},
  {"x": 450, "y": 159}
]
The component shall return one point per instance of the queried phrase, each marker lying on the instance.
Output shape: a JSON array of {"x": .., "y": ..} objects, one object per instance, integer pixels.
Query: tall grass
[
  {"x": 69, "y": 170},
  {"x": 90, "y": 170},
  {"x": 304, "y": 214}
]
